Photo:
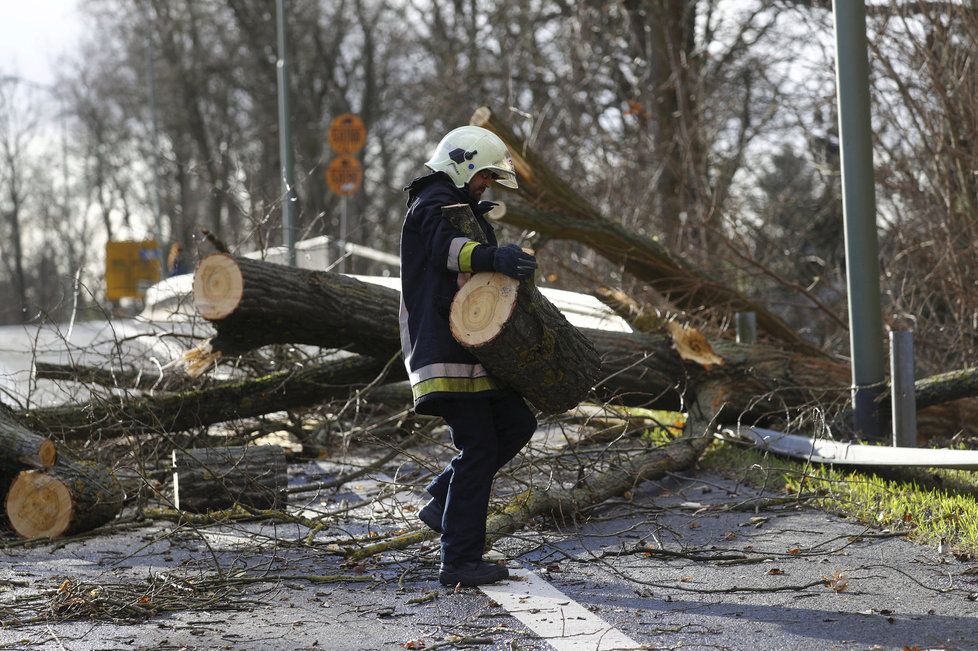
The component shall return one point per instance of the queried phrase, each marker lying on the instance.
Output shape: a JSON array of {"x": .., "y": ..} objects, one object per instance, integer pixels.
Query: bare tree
[{"x": 18, "y": 129}]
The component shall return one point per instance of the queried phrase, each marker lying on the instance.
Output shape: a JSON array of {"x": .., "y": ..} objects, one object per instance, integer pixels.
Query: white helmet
[{"x": 467, "y": 150}]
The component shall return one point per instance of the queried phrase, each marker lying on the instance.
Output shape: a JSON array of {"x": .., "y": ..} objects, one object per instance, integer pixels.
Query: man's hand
[{"x": 514, "y": 262}]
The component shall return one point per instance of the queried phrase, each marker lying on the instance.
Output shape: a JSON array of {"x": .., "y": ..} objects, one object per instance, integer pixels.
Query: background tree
[{"x": 708, "y": 125}]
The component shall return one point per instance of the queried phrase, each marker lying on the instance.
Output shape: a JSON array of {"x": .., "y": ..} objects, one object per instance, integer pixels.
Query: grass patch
[{"x": 929, "y": 505}]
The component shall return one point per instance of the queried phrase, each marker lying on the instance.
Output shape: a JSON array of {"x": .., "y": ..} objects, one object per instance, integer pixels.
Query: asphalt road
[
  {"x": 712, "y": 576},
  {"x": 689, "y": 562}
]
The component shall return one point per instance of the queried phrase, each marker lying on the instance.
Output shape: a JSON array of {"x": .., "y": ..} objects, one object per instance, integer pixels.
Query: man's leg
[
  {"x": 514, "y": 425},
  {"x": 467, "y": 498}
]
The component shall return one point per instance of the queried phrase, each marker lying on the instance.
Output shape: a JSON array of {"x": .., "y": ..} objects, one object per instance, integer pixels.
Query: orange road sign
[
  {"x": 347, "y": 134},
  {"x": 130, "y": 268},
  {"x": 344, "y": 176}
]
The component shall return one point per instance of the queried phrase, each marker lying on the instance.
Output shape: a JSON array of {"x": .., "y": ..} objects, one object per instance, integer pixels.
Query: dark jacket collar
[{"x": 444, "y": 182}]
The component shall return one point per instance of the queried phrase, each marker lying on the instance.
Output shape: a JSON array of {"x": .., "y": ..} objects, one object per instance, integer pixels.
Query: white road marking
[{"x": 565, "y": 624}]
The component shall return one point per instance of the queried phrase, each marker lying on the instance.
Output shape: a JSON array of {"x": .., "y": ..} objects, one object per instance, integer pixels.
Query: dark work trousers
[{"x": 487, "y": 432}]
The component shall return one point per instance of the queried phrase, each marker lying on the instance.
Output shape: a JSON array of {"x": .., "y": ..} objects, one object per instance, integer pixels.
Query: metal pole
[
  {"x": 746, "y": 327},
  {"x": 285, "y": 138},
  {"x": 903, "y": 398},
  {"x": 343, "y": 227},
  {"x": 859, "y": 210},
  {"x": 157, "y": 210}
]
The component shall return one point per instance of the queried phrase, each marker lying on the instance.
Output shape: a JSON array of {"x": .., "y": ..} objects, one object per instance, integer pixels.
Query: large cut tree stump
[
  {"x": 67, "y": 498},
  {"x": 214, "y": 479},
  {"x": 518, "y": 335}
]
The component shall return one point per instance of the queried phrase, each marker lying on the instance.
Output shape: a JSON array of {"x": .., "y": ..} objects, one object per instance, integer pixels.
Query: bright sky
[{"x": 34, "y": 34}]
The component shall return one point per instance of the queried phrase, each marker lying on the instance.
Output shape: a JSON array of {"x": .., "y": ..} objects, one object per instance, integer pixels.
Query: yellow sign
[
  {"x": 344, "y": 176},
  {"x": 347, "y": 134},
  {"x": 130, "y": 268}
]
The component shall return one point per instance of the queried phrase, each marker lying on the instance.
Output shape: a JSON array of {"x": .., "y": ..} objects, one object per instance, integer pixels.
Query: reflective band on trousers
[
  {"x": 453, "y": 385},
  {"x": 446, "y": 370}
]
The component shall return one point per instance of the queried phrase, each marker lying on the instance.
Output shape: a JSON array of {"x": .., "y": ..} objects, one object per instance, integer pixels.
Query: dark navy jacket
[{"x": 436, "y": 260}]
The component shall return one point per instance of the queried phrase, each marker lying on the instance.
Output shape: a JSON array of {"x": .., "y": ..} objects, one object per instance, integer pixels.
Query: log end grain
[
  {"x": 482, "y": 307},
  {"x": 47, "y": 453},
  {"x": 218, "y": 286},
  {"x": 39, "y": 505}
]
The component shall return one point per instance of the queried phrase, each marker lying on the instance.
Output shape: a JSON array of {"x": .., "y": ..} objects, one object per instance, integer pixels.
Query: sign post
[{"x": 344, "y": 176}]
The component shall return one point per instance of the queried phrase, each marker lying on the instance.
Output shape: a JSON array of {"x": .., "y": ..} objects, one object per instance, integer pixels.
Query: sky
[{"x": 34, "y": 34}]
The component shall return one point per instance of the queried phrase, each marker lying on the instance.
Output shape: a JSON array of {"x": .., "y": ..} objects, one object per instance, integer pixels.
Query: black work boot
[
  {"x": 431, "y": 514},
  {"x": 471, "y": 573}
]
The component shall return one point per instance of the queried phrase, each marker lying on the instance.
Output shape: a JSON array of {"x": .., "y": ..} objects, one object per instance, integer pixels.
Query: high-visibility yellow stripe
[
  {"x": 465, "y": 257},
  {"x": 453, "y": 385}
]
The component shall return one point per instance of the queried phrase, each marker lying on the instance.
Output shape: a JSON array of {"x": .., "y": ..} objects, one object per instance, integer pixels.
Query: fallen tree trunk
[
  {"x": 552, "y": 207},
  {"x": 112, "y": 378},
  {"x": 176, "y": 412},
  {"x": 518, "y": 335},
  {"x": 644, "y": 369},
  {"x": 69, "y": 497},
  {"x": 214, "y": 479},
  {"x": 252, "y": 303}
]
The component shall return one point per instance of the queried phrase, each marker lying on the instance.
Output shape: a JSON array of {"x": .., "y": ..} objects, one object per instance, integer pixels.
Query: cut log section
[
  {"x": 65, "y": 499},
  {"x": 252, "y": 303},
  {"x": 20, "y": 447},
  {"x": 213, "y": 479},
  {"x": 483, "y": 306},
  {"x": 519, "y": 336}
]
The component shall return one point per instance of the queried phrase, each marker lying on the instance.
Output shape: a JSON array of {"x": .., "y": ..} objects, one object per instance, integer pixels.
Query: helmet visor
[{"x": 505, "y": 173}]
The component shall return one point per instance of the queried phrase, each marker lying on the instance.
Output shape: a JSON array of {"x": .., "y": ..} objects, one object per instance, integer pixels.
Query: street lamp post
[
  {"x": 285, "y": 137},
  {"x": 859, "y": 214}
]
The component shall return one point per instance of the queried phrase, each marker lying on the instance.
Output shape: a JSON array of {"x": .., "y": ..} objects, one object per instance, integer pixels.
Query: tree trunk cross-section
[
  {"x": 519, "y": 336},
  {"x": 64, "y": 499}
]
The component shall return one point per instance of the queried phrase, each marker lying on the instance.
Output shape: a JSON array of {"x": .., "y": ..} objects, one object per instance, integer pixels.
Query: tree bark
[
  {"x": 20, "y": 447},
  {"x": 214, "y": 479}
]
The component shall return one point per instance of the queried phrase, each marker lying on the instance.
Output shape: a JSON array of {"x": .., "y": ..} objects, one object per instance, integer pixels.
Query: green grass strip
[{"x": 930, "y": 505}]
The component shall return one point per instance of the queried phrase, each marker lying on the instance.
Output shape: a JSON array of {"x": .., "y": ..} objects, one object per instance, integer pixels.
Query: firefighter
[{"x": 489, "y": 422}]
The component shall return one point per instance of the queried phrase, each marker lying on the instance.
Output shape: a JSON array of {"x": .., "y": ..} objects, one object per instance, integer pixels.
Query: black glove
[{"x": 514, "y": 262}]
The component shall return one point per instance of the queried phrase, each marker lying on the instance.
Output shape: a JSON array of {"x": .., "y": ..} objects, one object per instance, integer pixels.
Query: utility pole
[
  {"x": 285, "y": 137},
  {"x": 859, "y": 211}
]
